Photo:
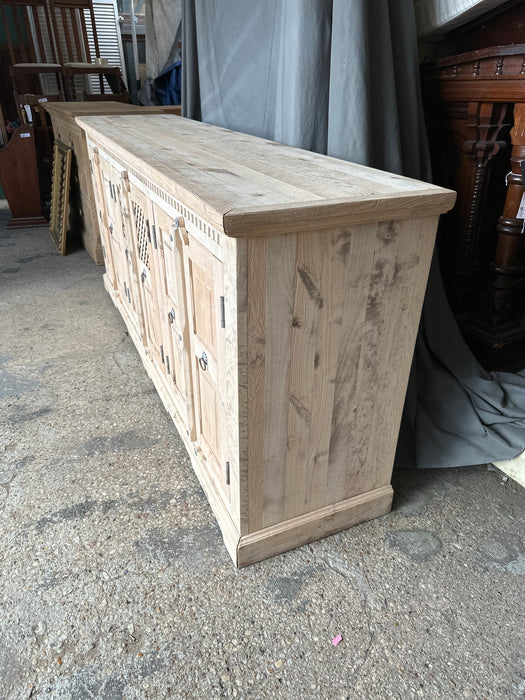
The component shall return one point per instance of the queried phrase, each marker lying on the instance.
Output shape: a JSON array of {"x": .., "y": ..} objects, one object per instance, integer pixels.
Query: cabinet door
[
  {"x": 101, "y": 206},
  {"x": 204, "y": 279},
  {"x": 114, "y": 184},
  {"x": 145, "y": 241},
  {"x": 175, "y": 328}
]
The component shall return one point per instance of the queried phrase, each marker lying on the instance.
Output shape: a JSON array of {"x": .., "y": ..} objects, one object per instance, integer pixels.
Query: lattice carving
[{"x": 142, "y": 234}]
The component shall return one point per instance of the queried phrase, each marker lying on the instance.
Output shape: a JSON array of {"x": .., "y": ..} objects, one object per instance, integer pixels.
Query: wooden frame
[{"x": 60, "y": 195}]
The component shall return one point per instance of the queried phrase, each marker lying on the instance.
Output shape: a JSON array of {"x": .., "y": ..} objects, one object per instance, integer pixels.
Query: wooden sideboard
[
  {"x": 82, "y": 208},
  {"x": 274, "y": 296}
]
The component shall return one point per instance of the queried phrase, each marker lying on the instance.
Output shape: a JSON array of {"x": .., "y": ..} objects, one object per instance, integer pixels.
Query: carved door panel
[
  {"x": 115, "y": 185},
  {"x": 175, "y": 327},
  {"x": 129, "y": 258},
  {"x": 109, "y": 182},
  {"x": 204, "y": 279},
  {"x": 145, "y": 242},
  {"x": 102, "y": 212}
]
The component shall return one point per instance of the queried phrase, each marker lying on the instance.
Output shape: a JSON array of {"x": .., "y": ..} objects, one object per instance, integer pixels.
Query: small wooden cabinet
[{"x": 274, "y": 296}]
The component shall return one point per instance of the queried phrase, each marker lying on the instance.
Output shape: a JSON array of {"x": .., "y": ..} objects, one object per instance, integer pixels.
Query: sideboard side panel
[{"x": 332, "y": 319}]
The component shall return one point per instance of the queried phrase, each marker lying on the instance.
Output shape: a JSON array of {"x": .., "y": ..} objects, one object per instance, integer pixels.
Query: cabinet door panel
[
  {"x": 204, "y": 275},
  {"x": 102, "y": 214},
  {"x": 204, "y": 306},
  {"x": 114, "y": 191},
  {"x": 175, "y": 327},
  {"x": 144, "y": 238}
]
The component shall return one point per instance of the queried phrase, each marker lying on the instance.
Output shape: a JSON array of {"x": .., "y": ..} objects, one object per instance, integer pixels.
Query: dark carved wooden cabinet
[{"x": 475, "y": 104}]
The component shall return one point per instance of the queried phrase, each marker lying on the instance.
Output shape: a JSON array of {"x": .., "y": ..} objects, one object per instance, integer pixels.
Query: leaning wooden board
[
  {"x": 274, "y": 296},
  {"x": 67, "y": 131}
]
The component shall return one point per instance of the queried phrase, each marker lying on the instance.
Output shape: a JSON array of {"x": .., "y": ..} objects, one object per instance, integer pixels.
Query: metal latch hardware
[
  {"x": 203, "y": 362},
  {"x": 227, "y": 473},
  {"x": 223, "y": 320},
  {"x": 171, "y": 315}
]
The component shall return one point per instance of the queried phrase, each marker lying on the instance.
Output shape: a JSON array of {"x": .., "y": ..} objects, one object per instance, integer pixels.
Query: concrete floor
[{"x": 114, "y": 579}]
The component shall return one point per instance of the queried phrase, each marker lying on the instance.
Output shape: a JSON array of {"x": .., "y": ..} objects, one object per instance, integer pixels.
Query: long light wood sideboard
[{"x": 274, "y": 296}]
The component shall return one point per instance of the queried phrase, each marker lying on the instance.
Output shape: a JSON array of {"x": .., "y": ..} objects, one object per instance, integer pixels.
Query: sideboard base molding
[{"x": 313, "y": 526}]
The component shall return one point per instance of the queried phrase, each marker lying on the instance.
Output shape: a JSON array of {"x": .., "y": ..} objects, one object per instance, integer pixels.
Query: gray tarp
[
  {"x": 341, "y": 77},
  {"x": 162, "y": 20}
]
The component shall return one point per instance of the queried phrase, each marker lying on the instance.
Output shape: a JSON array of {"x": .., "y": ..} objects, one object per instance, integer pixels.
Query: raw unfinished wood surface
[{"x": 275, "y": 304}]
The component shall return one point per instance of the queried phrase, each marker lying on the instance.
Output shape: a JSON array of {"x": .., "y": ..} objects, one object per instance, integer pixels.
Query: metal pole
[{"x": 135, "y": 46}]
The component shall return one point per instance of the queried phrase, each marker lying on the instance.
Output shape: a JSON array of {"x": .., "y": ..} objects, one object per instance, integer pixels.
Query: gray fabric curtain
[{"x": 341, "y": 77}]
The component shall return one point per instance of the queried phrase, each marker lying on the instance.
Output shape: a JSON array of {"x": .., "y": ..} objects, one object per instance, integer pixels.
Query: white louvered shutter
[{"x": 109, "y": 39}]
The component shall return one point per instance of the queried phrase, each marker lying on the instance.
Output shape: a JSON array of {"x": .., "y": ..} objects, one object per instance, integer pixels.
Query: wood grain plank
[
  {"x": 280, "y": 273},
  {"x": 235, "y": 376},
  {"x": 335, "y": 251},
  {"x": 344, "y": 433},
  {"x": 257, "y": 285},
  {"x": 309, "y": 305},
  {"x": 372, "y": 389}
]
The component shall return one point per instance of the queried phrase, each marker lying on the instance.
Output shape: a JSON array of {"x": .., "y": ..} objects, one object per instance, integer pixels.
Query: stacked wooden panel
[{"x": 274, "y": 296}]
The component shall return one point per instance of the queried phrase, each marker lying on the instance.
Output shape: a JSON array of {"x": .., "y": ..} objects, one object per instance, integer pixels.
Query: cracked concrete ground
[{"x": 114, "y": 579}]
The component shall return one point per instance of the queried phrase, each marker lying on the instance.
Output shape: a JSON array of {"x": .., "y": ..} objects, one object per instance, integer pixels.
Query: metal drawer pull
[{"x": 203, "y": 362}]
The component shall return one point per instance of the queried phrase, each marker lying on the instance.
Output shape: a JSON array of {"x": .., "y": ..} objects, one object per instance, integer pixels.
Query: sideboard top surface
[{"x": 248, "y": 186}]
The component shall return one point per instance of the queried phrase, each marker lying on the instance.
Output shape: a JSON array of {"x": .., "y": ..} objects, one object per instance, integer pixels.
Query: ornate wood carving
[{"x": 477, "y": 96}]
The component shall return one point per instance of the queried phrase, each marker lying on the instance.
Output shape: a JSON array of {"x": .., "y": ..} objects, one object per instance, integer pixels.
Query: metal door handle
[{"x": 203, "y": 362}]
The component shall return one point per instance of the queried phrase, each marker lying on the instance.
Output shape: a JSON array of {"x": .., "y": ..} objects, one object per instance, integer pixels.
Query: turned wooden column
[{"x": 485, "y": 122}]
